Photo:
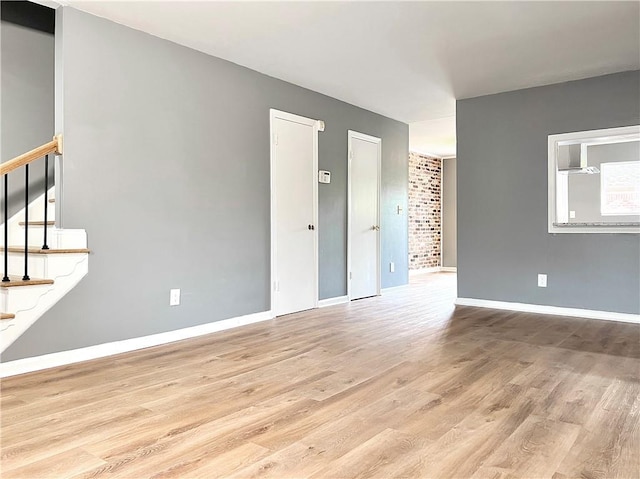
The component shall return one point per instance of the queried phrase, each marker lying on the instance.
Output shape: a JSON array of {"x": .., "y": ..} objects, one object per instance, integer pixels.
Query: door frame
[
  {"x": 378, "y": 141},
  {"x": 283, "y": 115}
]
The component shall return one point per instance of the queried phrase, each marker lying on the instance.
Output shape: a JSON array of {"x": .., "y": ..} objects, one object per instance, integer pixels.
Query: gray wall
[
  {"x": 26, "y": 102},
  {"x": 166, "y": 166},
  {"x": 502, "y": 199},
  {"x": 584, "y": 190},
  {"x": 449, "y": 214}
]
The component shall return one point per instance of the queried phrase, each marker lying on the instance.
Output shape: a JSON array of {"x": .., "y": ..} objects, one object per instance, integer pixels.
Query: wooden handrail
[{"x": 54, "y": 146}]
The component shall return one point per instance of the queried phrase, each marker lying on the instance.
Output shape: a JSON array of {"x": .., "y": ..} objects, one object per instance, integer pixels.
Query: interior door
[
  {"x": 364, "y": 215},
  {"x": 294, "y": 212}
]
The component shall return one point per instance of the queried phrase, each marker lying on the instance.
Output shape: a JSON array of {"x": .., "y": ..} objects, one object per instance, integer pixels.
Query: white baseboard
[
  {"x": 555, "y": 310},
  {"x": 417, "y": 272},
  {"x": 435, "y": 269},
  {"x": 27, "y": 365},
  {"x": 323, "y": 303}
]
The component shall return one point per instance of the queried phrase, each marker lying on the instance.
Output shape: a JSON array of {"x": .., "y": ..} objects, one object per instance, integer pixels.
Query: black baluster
[
  {"x": 26, "y": 223},
  {"x": 5, "y": 278},
  {"x": 46, "y": 199}
]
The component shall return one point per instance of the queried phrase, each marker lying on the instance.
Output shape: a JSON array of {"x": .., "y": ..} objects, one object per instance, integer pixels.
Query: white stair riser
[
  {"x": 36, "y": 236},
  {"x": 48, "y": 266},
  {"x": 36, "y": 209},
  {"x": 56, "y": 238}
]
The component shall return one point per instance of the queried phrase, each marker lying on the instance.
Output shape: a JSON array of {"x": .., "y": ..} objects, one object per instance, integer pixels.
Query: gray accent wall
[
  {"x": 449, "y": 214},
  {"x": 26, "y": 103},
  {"x": 503, "y": 241},
  {"x": 166, "y": 166}
]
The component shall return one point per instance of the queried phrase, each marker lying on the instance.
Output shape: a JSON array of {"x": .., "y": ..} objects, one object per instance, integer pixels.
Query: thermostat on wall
[{"x": 324, "y": 176}]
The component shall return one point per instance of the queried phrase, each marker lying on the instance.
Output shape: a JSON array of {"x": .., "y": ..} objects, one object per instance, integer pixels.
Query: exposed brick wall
[{"x": 425, "y": 204}]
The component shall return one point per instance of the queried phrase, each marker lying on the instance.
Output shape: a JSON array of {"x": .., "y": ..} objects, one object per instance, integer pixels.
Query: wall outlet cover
[
  {"x": 174, "y": 297},
  {"x": 542, "y": 280}
]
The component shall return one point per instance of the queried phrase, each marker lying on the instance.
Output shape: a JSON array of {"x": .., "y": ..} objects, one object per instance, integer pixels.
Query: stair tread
[
  {"x": 7, "y": 316},
  {"x": 36, "y": 250},
  {"x": 38, "y": 223},
  {"x": 17, "y": 281}
]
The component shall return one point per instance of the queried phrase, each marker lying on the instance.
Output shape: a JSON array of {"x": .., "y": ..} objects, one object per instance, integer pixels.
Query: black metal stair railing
[
  {"x": 6, "y": 168},
  {"x": 5, "y": 217}
]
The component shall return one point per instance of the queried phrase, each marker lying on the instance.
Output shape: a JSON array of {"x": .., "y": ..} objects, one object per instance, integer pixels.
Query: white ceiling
[{"x": 406, "y": 60}]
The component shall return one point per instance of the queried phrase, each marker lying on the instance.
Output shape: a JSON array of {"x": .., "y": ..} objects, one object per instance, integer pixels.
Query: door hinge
[
  {"x": 275, "y": 139},
  {"x": 350, "y": 275},
  {"x": 276, "y": 286},
  {"x": 351, "y": 154}
]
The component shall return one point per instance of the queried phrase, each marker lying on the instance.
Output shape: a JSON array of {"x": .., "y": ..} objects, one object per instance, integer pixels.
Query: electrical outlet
[
  {"x": 174, "y": 297},
  {"x": 572, "y": 214},
  {"x": 392, "y": 267},
  {"x": 542, "y": 280}
]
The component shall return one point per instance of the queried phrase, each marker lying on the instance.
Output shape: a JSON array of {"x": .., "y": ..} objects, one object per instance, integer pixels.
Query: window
[{"x": 594, "y": 181}]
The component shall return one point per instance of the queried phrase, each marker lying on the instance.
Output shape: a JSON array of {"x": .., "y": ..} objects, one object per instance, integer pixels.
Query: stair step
[
  {"x": 16, "y": 281},
  {"x": 38, "y": 223},
  {"x": 7, "y": 316},
  {"x": 36, "y": 250}
]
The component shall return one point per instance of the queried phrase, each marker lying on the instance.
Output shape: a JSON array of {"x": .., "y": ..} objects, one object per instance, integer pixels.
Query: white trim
[
  {"x": 273, "y": 114},
  {"x": 552, "y": 150},
  {"x": 555, "y": 310},
  {"x": 26, "y": 365},
  {"x": 435, "y": 269},
  {"x": 323, "y": 303},
  {"x": 421, "y": 271},
  {"x": 351, "y": 134}
]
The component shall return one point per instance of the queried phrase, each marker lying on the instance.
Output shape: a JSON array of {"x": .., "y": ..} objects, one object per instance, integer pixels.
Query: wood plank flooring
[{"x": 403, "y": 385}]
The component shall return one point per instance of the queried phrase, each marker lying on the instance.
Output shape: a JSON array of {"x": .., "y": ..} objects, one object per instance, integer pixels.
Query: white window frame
[{"x": 554, "y": 141}]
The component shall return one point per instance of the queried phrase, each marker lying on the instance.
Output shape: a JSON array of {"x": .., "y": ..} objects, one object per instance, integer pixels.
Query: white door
[
  {"x": 294, "y": 263},
  {"x": 364, "y": 215}
]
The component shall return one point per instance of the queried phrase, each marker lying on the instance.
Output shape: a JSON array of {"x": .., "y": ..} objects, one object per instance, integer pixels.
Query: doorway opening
[{"x": 432, "y": 214}]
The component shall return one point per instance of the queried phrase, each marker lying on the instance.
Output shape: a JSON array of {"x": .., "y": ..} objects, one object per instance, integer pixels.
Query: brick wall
[{"x": 425, "y": 228}]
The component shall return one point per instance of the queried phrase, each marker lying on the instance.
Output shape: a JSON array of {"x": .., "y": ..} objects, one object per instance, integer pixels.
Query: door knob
[{"x": 375, "y": 228}]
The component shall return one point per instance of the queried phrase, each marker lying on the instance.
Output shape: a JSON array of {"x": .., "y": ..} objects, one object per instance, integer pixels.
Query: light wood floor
[{"x": 404, "y": 385}]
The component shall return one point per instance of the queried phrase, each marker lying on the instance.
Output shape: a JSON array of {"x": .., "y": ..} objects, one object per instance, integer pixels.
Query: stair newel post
[
  {"x": 5, "y": 278},
  {"x": 46, "y": 199},
  {"x": 26, "y": 222}
]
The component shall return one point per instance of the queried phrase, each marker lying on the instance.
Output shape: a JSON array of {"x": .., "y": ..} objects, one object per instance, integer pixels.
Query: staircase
[{"x": 42, "y": 263}]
